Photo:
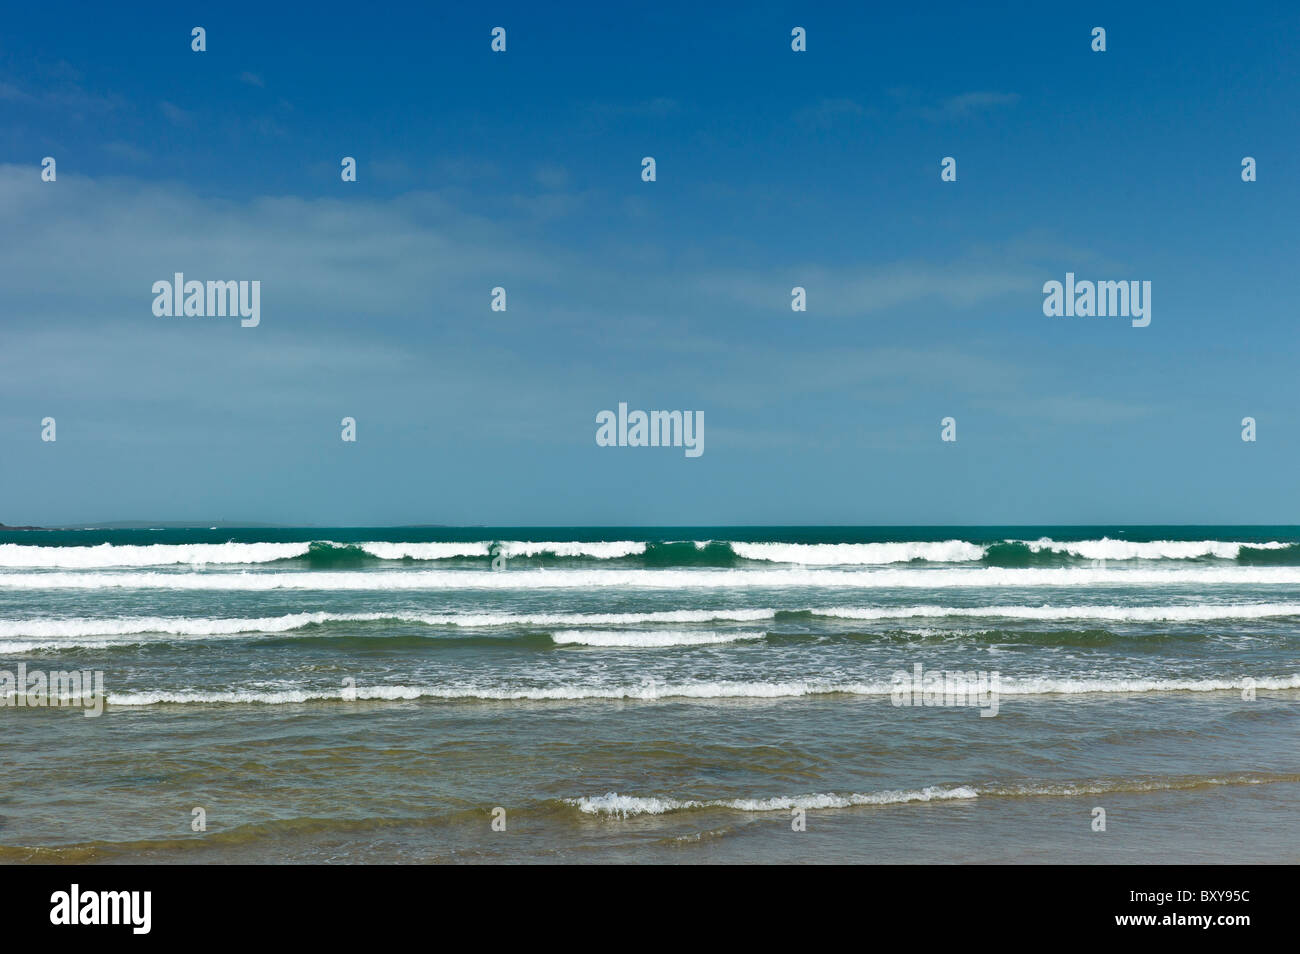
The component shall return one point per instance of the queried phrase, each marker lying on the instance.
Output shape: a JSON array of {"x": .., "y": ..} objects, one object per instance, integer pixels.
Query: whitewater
[{"x": 682, "y": 687}]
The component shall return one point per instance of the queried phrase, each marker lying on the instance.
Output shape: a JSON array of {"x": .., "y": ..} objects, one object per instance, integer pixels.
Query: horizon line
[{"x": 227, "y": 525}]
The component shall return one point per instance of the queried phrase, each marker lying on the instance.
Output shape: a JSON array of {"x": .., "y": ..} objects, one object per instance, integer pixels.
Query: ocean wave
[
  {"x": 646, "y": 639},
  {"x": 849, "y": 554},
  {"x": 207, "y": 626},
  {"x": 47, "y": 628},
  {"x": 653, "y": 691},
  {"x": 471, "y": 579},
  {"x": 1131, "y": 614},
  {"x": 160, "y": 554},
  {"x": 1108, "y": 549},
  {"x": 179, "y": 626},
  {"x": 29, "y": 635},
  {"x": 625, "y": 806},
  {"x": 326, "y": 554},
  {"x": 321, "y": 552}
]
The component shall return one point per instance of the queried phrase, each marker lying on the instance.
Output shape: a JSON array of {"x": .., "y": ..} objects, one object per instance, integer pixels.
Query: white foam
[
  {"x": 651, "y": 579},
  {"x": 159, "y": 554},
  {"x": 845, "y": 554},
  {"x": 422, "y": 551},
  {"x": 1191, "y": 613},
  {"x": 662, "y": 616},
  {"x": 75, "y": 628},
  {"x": 15, "y": 556},
  {"x": 180, "y": 626},
  {"x": 106, "y": 555},
  {"x": 600, "y": 550},
  {"x": 11, "y": 646},
  {"x": 650, "y": 690},
  {"x": 1108, "y": 549},
  {"x": 27, "y": 635},
  {"x": 645, "y": 639},
  {"x": 68, "y": 633},
  {"x": 627, "y": 805},
  {"x": 1036, "y": 686}
]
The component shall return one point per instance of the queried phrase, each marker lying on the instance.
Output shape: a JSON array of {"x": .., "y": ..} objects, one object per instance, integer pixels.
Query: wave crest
[{"x": 326, "y": 554}]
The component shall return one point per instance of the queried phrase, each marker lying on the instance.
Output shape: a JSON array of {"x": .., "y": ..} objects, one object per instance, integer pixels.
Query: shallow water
[{"x": 633, "y": 695}]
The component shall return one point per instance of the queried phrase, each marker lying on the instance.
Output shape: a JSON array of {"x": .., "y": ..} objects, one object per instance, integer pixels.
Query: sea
[{"x": 734, "y": 695}]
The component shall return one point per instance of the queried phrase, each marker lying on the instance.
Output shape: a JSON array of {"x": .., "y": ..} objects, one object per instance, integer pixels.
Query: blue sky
[{"x": 775, "y": 169}]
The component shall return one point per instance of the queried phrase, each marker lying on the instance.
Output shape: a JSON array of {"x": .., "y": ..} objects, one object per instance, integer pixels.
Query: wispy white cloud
[
  {"x": 950, "y": 108},
  {"x": 389, "y": 297},
  {"x": 124, "y": 150},
  {"x": 829, "y": 111},
  {"x": 967, "y": 104},
  {"x": 863, "y": 290},
  {"x": 174, "y": 114},
  {"x": 66, "y": 97}
]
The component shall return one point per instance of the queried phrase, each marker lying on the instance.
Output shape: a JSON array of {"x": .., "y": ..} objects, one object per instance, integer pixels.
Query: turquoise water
[{"x": 658, "y": 694}]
